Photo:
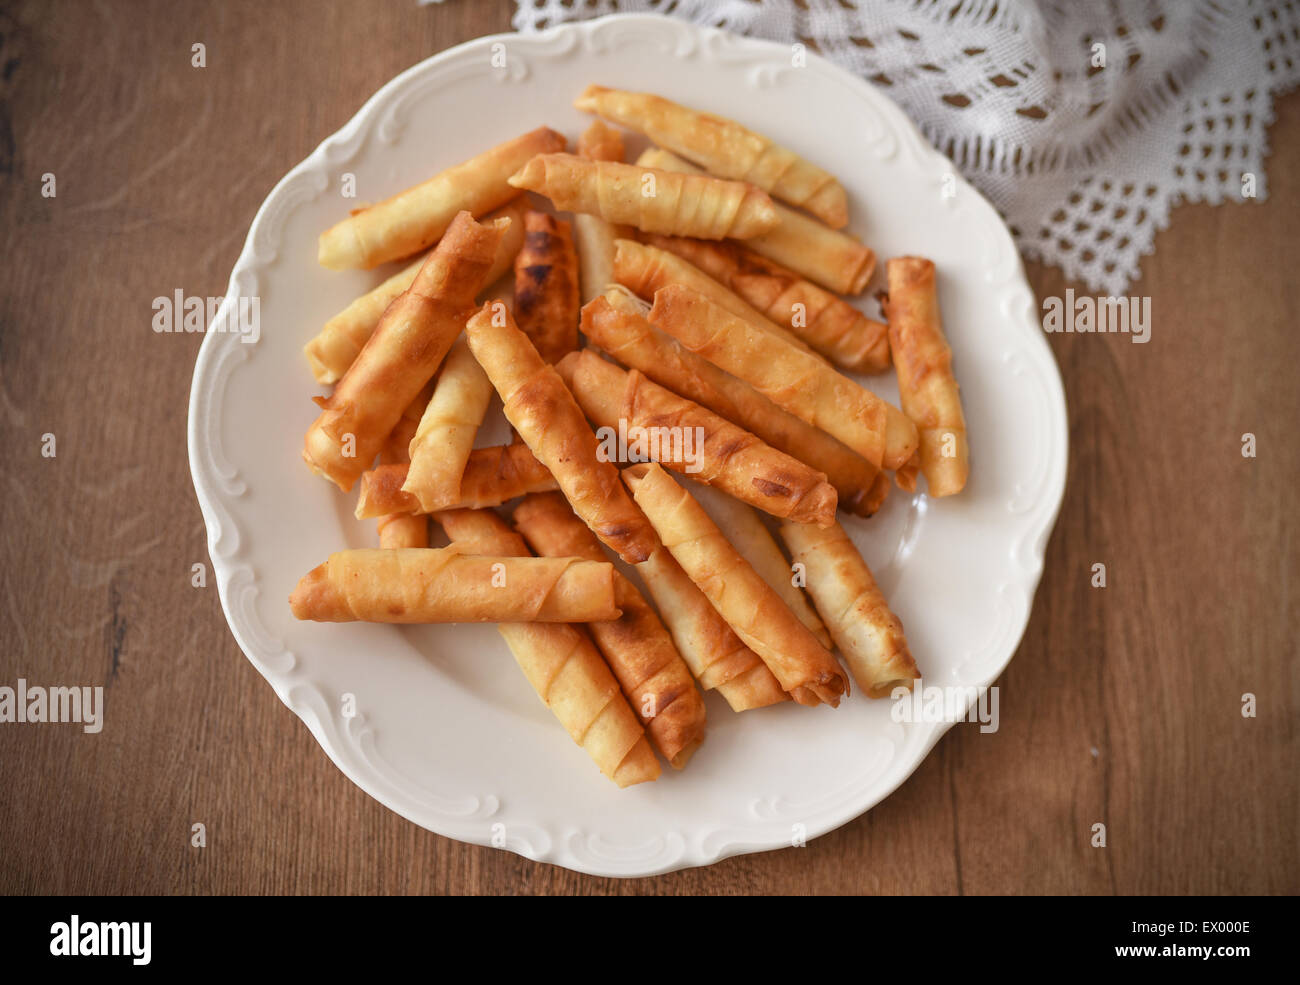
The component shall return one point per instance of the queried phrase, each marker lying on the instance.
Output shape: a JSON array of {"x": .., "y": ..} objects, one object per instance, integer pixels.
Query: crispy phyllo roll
[
  {"x": 543, "y": 411},
  {"x": 725, "y": 148},
  {"x": 337, "y": 344},
  {"x": 644, "y": 269},
  {"x": 399, "y": 530},
  {"x": 750, "y": 536},
  {"x": 685, "y": 437},
  {"x": 593, "y": 236},
  {"x": 616, "y": 323},
  {"x": 905, "y": 475},
  {"x": 710, "y": 647},
  {"x": 492, "y": 476},
  {"x": 654, "y": 201},
  {"x": 868, "y": 634},
  {"x": 826, "y": 256},
  {"x": 397, "y": 446},
  {"x": 403, "y": 354},
  {"x": 404, "y": 529},
  {"x": 802, "y": 383},
  {"x": 448, "y": 584},
  {"x": 929, "y": 391},
  {"x": 546, "y": 286},
  {"x": 636, "y": 646},
  {"x": 766, "y": 625},
  {"x": 413, "y": 220},
  {"x": 830, "y": 325},
  {"x": 601, "y": 143},
  {"x": 440, "y": 448},
  {"x": 563, "y": 666}
]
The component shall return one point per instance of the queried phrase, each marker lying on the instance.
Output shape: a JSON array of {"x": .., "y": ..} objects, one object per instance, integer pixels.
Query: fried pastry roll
[
  {"x": 397, "y": 447},
  {"x": 929, "y": 391},
  {"x": 829, "y": 257},
  {"x": 763, "y": 622},
  {"x": 546, "y": 286},
  {"x": 725, "y": 148},
  {"x": 492, "y": 476},
  {"x": 830, "y": 325},
  {"x": 711, "y": 648},
  {"x": 905, "y": 475},
  {"x": 413, "y": 220},
  {"x": 432, "y": 585},
  {"x": 337, "y": 344},
  {"x": 644, "y": 269},
  {"x": 685, "y": 437},
  {"x": 868, "y": 634},
  {"x": 404, "y": 529},
  {"x": 543, "y": 411},
  {"x": 616, "y": 323},
  {"x": 638, "y": 649},
  {"x": 440, "y": 449},
  {"x": 564, "y": 667},
  {"x": 652, "y": 200},
  {"x": 593, "y": 236},
  {"x": 748, "y": 535},
  {"x": 403, "y": 354},
  {"x": 803, "y": 384}
]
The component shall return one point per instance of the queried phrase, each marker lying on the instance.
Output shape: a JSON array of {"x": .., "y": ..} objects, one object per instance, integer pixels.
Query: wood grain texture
[{"x": 1122, "y": 706}]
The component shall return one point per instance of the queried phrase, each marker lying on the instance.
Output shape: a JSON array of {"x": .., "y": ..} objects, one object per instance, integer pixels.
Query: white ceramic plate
[{"x": 447, "y": 732}]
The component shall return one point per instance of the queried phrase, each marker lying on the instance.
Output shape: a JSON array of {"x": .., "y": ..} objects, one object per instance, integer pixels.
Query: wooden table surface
[{"x": 1123, "y": 705}]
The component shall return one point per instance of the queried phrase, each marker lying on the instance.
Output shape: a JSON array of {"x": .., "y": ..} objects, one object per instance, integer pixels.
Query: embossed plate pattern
[{"x": 447, "y": 732}]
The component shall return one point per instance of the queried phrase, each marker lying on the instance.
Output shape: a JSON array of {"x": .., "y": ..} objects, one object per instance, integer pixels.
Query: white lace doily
[{"x": 1084, "y": 123}]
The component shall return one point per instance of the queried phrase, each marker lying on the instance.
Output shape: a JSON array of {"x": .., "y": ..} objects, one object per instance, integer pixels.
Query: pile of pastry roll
[{"x": 707, "y": 305}]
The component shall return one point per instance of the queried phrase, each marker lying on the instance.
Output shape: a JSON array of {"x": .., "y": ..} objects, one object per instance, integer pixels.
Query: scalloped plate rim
[{"x": 900, "y": 769}]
